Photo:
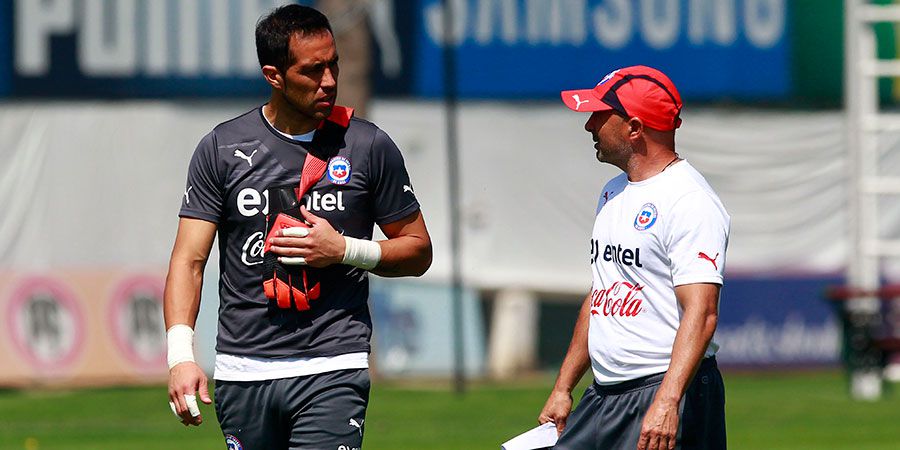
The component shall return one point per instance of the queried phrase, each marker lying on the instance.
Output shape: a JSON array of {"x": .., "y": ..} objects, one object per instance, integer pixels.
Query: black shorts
[
  {"x": 610, "y": 417},
  {"x": 324, "y": 411}
]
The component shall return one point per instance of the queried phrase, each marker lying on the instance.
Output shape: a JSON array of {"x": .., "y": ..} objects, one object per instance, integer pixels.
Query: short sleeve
[
  {"x": 203, "y": 192},
  {"x": 698, "y": 239},
  {"x": 392, "y": 192}
]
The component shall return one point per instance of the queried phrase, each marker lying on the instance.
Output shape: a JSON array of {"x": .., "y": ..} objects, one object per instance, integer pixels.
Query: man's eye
[{"x": 318, "y": 68}]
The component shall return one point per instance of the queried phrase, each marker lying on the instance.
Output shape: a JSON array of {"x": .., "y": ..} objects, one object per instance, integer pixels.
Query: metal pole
[
  {"x": 863, "y": 268},
  {"x": 453, "y": 179}
]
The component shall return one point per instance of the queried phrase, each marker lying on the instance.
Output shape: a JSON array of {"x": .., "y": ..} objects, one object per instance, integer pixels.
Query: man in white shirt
[{"x": 657, "y": 259}]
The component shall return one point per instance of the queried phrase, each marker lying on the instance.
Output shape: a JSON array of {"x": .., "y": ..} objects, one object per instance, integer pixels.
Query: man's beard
[{"x": 620, "y": 151}]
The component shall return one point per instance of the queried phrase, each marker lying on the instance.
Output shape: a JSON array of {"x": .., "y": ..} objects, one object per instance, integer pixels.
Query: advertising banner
[
  {"x": 82, "y": 328},
  {"x": 413, "y": 329},
  {"x": 506, "y": 49},
  {"x": 775, "y": 322},
  {"x": 133, "y": 48},
  {"x": 5, "y": 48},
  {"x": 535, "y": 48}
]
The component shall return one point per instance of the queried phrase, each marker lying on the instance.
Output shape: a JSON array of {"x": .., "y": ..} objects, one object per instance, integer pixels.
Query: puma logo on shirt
[
  {"x": 244, "y": 156},
  {"x": 702, "y": 255}
]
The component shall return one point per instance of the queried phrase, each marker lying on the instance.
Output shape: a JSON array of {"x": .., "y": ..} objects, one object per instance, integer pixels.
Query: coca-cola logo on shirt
[{"x": 621, "y": 299}]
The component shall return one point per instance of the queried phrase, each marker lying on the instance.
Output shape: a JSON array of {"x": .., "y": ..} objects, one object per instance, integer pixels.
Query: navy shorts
[
  {"x": 610, "y": 417},
  {"x": 325, "y": 411}
]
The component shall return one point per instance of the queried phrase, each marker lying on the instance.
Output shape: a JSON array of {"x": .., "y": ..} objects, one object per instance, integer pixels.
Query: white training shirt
[{"x": 649, "y": 237}]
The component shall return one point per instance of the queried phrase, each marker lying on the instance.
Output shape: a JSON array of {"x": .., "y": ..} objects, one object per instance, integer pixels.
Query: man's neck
[
  {"x": 640, "y": 168},
  {"x": 286, "y": 119}
]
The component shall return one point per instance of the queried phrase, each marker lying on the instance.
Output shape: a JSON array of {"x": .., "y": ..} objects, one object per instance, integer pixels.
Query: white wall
[{"x": 100, "y": 184}]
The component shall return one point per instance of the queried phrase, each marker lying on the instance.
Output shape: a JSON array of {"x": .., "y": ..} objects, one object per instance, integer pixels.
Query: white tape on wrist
[
  {"x": 192, "y": 405},
  {"x": 180, "y": 342},
  {"x": 361, "y": 253}
]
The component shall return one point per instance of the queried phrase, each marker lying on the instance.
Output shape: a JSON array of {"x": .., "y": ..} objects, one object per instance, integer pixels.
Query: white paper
[{"x": 541, "y": 436}]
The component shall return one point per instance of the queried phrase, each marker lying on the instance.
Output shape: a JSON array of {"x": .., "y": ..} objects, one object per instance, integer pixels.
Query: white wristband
[
  {"x": 361, "y": 253},
  {"x": 180, "y": 340}
]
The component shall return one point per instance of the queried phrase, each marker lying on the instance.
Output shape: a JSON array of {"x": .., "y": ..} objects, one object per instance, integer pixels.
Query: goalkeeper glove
[{"x": 287, "y": 284}]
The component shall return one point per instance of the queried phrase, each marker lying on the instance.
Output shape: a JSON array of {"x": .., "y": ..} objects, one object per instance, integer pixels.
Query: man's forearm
[
  {"x": 181, "y": 301},
  {"x": 404, "y": 256},
  {"x": 577, "y": 358}
]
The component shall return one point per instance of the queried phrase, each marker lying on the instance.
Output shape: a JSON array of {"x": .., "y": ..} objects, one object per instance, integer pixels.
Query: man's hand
[
  {"x": 187, "y": 379},
  {"x": 318, "y": 246},
  {"x": 660, "y": 426},
  {"x": 557, "y": 410}
]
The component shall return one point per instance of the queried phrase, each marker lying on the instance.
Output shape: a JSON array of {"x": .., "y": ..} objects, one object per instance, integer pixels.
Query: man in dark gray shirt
[{"x": 295, "y": 251}]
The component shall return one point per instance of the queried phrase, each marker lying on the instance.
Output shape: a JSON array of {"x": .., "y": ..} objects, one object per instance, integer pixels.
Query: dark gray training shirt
[{"x": 365, "y": 183}]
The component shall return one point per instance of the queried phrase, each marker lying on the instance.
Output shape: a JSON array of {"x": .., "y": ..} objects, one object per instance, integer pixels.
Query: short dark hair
[{"x": 274, "y": 31}]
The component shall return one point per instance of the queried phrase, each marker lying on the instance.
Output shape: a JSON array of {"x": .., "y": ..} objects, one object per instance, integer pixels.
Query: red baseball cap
[{"x": 636, "y": 91}]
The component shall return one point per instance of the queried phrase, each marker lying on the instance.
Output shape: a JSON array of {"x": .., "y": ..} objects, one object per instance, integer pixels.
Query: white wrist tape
[
  {"x": 191, "y": 401},
  {"x": 361, "y": 253},
  {"x": 180, "y": 340}
]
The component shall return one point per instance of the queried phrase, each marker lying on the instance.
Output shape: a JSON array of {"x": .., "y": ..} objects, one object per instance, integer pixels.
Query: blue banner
[
  {"x": 778, "y": 322},
  {"x": 535, "y": 48},
  {"x": 5, "y": 48},
  {"x": 508, "y": 49},
  {"x": 103, "y": 49},
  {"x": 415, "y": 337}
]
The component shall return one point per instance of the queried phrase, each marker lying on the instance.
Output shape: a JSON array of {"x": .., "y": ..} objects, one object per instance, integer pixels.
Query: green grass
[{"x": 765, "y": 412}]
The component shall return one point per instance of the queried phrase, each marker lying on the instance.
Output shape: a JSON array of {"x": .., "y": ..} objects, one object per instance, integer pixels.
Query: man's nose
[{"x": 329, "y": 79}]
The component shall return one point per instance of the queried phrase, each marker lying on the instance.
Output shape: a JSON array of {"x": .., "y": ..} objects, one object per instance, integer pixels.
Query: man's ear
[
  {"x": 273, "y": 77},
  {"x": 635, "y": 128}
]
